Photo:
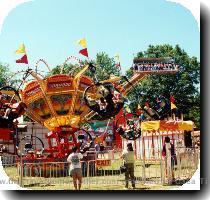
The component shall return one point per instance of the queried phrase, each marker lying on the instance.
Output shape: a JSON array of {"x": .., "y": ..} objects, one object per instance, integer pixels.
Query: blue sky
[{"x": 50, "y": 29}]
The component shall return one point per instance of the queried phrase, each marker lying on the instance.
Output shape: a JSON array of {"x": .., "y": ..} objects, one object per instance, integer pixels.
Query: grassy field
[{"x": 111, "y": 182}]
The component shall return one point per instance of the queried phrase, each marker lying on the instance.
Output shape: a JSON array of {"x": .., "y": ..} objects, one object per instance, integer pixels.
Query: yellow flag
[
  {"x": 173, "y": 106},
  {"x": 83, "y": 43},
  {"x": 127, "y": 109},
  {"x": 117, "y": 56},
  {"x": 139, "y": 107},
  {"x": 21, "y": 49}
]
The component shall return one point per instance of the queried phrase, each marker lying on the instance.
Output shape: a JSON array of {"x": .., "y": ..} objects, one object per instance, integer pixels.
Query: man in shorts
[{"x": 75, "y": 167}]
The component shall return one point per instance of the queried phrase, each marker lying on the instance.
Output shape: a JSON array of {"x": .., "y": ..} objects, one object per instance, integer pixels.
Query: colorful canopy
[
  {"x": 167, "y": 126},
  {"x": 57, "y": 100}
]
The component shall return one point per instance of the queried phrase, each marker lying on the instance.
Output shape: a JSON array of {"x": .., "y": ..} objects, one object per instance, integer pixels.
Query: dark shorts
[{"x": 77, "y": 172}]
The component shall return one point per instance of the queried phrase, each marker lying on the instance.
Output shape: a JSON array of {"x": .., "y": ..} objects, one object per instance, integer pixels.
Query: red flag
[
  {"x": 172, "y": 100},
  {"x": 24, "y": 59},
  {"x": 84, "y": 52},
  {"x": 147, "y": 104},
  {"x": 118, "y": 65}
]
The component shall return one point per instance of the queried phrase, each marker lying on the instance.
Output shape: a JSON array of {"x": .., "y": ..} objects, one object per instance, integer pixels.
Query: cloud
[
  {"x": 194, "y": 8},
  {"x": 6, "y": 6}
]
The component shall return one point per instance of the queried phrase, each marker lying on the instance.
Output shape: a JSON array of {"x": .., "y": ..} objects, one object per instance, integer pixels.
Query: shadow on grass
[
  {"x": 180, "y": 182},
  {"x": 39, "y": 185}
]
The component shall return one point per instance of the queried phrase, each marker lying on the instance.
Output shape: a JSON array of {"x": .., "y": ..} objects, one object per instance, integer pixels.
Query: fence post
[
  {"x": 162, "y": 166},
  {"x": 21, "y": 172},
  {"x": 168, "y": 163},
  {"x": 88, "y": 173},
  {"x": 143, "y": 155}
]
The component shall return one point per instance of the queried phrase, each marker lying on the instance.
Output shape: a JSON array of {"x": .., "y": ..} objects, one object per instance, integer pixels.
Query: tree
[
  {"x": 7, "y": 78},
  {"x": 4, "y": 74},
  {"x": 105, "y": 66},
  {"x": 184, "y": 85}
]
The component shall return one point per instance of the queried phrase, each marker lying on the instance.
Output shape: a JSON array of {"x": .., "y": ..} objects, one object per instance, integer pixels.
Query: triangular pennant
[
  {"x": 21, "y": 49},
  {"x": 172, "y": 99},
  {"x": 139, "y": 107},
  {"x": 24, "y": 59},
  {"x": 84, "y": 52},
  {"x": 138, "y": 110},
  {"x": 83, "y": 43},
  {"x": 117, "y": 57},
  {"x": 127, "y": 109},
  {"x": 147, "y": 104},
  {"x": 173, "y": 106},
  {"x": 118, "y": 65}
]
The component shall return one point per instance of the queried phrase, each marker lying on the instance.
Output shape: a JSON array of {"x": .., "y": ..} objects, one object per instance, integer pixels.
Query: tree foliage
[
  {"x": 4, "y": 74},
  {"x": 7, "y": 78}
]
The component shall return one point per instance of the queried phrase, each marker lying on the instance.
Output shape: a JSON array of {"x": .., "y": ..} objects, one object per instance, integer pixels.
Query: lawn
[{"x": 111, "y": 182}]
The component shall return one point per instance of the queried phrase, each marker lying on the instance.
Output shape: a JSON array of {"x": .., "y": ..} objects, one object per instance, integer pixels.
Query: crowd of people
[
  {"x": 154, "y": 66},
  {"x": 109, "y": 101},
  {"x": 131, "y": 130}
]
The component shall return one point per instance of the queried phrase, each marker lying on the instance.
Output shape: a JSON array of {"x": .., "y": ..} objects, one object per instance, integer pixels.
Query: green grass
[{"x": 111, "y": 182}]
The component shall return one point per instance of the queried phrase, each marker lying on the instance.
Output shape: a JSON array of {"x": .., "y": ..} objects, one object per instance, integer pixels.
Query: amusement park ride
[{"x": 66, "y": 103}]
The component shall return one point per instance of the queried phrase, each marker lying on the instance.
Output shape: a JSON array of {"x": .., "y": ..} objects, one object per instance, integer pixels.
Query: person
[
  {"x": 120, "y": 130},
  {"x": 102, "y": 104},
  {"x": 103, "y": 91},
  {"x": 1, "y": 105},
  {"x": 15, "y": 110},
  {"x": 173, "y": 155},
  {"x": 75, "y": 167},
  {"x": 128, "y": 157},
  {"x": 102, "y": 150},
  {"x": 130, "y": 128},
  {"x": 1, "y": 100},
  {"x": 97, "y": 149},
  {"x": 91, "y": 101}
]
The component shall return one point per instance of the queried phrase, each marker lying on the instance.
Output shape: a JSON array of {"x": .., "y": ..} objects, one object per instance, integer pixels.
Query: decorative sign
[
  {"x": 33, "y": 91},
  {"x": 53, "y": 85},
  {"x": 102, "y": 163}
]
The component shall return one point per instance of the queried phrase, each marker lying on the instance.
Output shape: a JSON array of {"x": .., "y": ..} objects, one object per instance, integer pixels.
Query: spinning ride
[{"x": 63, "y": 103}]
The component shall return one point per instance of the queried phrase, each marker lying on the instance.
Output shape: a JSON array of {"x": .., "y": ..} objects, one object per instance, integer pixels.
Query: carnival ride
[{"x": 63, "y": 103}]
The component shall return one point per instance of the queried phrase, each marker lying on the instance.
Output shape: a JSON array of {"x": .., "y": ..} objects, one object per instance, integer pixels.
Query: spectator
[
  {"x": 1, "y": 105},
  {"x": 75, "y": 167},
  {"x": 173, "y": 155},
  {"x": 102, "y": 150},
  {"x": 128, "y": 157},
  {"x": 102, "y": 104},
  {"x": 97, "y": 149}
]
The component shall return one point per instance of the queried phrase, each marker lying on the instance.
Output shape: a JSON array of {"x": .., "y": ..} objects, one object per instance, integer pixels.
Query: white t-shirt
[
  {"x": 128, "y": 156},
  {"x": 74, "y": 160}
]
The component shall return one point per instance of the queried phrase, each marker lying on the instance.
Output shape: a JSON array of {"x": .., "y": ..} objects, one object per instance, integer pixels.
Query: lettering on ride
[
  {"x": 59, "y": 84},
  {"x": 103, "y": 162},
  {"x": 33, "y": 91}
]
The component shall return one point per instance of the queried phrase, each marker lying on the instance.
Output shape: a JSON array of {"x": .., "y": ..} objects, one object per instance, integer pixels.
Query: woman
[
  {"x": 172, "y": 155},
  {"x": 128, "y": 157},
  {"x": 75, "y": 167}
]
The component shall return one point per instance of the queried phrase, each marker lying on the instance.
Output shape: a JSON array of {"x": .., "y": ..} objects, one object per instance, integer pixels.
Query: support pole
[
  {"x": 168, "y": 163},
  {"x": 143, "y": 164}
]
